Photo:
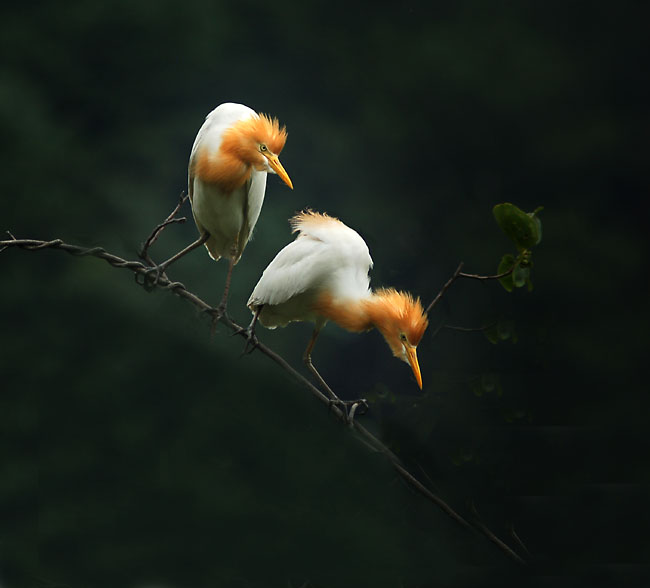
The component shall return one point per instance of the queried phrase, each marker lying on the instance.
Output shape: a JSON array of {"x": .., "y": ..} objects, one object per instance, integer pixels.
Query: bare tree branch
[{"x": 163, "y": 282}]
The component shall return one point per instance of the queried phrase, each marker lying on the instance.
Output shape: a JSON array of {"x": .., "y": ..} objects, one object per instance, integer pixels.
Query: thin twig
[
  {"x": 480, "y": 525},
  {"x": 494, "y": 277},
  {"x": 424, "y": 473},
  {"x": 171, "y": 219},
  {"x": 446, "y": 287},
  {"x": 180, "y": 290},
  {"x": 514, "y": 535},
  {"x": 458, "y": 274},
  {"x": 468, "y": 329}
]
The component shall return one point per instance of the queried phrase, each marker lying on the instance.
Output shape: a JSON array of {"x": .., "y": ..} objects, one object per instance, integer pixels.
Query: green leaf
[
  {"x": 466, "y": 454},
  {"x": 489, "y": 382},
  {"x": 492, "y": 333},
  {"x": 529, "y": 284},
  {"x": 538, "y": 223},
  {"x": 520, "y": 276},
  {"x": 513, "y": 333},
  {"x": 461, "y": 456},
  {"x": 526, "y": 259},
  {"x": 525, "y": 230},
  {"x": 507, "y": 261},
  {"x": 506, "y": 330}
]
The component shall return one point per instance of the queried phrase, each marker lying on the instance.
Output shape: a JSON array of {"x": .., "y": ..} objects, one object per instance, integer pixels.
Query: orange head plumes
[
  {"x": 258, "y": 141},
  {"x": 262, "y": 130},
  {"x": 402, "y": 321}
]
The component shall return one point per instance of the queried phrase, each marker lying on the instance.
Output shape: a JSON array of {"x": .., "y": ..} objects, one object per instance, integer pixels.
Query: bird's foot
[
  {"x": 251, "y": 339},
  {"x": 217, "y": 313},
  {"x": 350, "y": 408},
  {"x": 151, "y": 277}
]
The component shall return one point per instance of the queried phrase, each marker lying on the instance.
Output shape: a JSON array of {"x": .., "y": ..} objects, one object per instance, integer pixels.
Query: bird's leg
[
  {"x": 251, "y": 339},
  {"x": 334, "y": 399},
  {"x": 221, "y": 309},
  {"x": 159, "y": 270},
  {"x": 306, "y": 357},
  {"x": 200, "y": 241}
]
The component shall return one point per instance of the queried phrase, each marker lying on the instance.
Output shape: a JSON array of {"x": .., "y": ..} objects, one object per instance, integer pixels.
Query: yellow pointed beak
[
  {"x": 412, "y": 356},
  {"x": 276, "y": 166}
]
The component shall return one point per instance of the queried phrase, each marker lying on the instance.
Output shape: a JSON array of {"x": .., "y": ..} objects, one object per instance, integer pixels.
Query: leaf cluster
[{"x": 524, "y": 229}]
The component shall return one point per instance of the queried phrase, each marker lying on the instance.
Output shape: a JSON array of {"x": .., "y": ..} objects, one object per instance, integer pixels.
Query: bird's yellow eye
[{"x": 263, "y": 148}]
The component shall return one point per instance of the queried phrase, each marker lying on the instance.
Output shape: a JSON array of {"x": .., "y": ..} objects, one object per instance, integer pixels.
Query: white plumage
[
  {"x": 323, "y": 275},
  {"x": 229, "y": 217},
  {"x": 327, "y": 256},
  {"x": 233, "y": 151}
]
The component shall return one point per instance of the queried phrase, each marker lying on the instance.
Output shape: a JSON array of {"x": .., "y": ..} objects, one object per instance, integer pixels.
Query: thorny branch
[{"x": 163, "y": 282}]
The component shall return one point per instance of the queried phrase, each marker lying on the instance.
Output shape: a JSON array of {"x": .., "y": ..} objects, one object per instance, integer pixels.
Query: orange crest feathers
[
  {"x": 263, "y": 129},
  {"x": 308, "y": 218},
  {"x": 394, "y": 312}
]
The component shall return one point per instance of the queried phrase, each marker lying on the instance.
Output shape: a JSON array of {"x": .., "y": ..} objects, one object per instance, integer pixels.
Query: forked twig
[
  {"x": 514, "y": 535},
  {"x": 171, "y": 219}
]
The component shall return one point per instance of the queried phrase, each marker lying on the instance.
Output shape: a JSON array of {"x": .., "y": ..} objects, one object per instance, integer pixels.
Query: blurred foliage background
[{"x": 139, "y": 451}]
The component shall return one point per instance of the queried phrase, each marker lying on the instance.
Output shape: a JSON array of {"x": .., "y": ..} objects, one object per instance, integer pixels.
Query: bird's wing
[
  {"x": 190, "y": 178},
  {"x": 190, "y": 192},
  {"x": 302, "y": 265},
  {"x": 255, "y": 188},
  {"x": 192, "y": 162}
]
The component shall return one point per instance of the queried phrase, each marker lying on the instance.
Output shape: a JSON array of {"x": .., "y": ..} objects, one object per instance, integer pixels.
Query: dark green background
[{"x": 136, "y": 449}]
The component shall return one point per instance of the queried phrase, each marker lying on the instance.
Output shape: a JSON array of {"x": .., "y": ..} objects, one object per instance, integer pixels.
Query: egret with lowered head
[{"x": 323, "y": 275}]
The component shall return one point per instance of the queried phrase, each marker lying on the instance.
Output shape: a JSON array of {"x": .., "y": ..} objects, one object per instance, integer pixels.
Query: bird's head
[
  {"x": 258, "y": 141},
  {"x": 402, "y": 321}
]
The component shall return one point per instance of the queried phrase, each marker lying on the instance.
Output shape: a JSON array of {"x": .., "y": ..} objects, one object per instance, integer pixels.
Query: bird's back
[
  {"x": 216, "y": 122},
  {"x": 327, "y": 257}
]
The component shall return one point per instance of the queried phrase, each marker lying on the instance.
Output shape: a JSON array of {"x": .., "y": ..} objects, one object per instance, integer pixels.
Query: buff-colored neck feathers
[
  {"x": 394, "y": 312},
  {"x": 231, "y": 167}
]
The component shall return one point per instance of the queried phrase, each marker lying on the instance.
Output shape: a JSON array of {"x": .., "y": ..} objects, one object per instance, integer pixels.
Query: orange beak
[
  {"x": 412, "y": 356},
  {"x": 276, "y": 166}
]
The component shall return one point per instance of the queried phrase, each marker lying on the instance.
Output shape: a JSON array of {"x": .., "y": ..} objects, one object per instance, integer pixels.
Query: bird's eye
[
  {"x": 402, "y": 336},
  {"x": 263, "y": 148}
]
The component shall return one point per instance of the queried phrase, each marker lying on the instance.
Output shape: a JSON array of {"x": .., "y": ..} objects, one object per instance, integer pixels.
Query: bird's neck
[
  {"x": 353, "y": 314},
  {"x": 223, "y": 169},
  {"x": 230, "y": 166}
]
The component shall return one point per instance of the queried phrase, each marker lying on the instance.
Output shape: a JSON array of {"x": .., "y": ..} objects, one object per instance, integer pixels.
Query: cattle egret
[
  {"x": 323, "y": 275},
  {"x": 232, "y": 153}
]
